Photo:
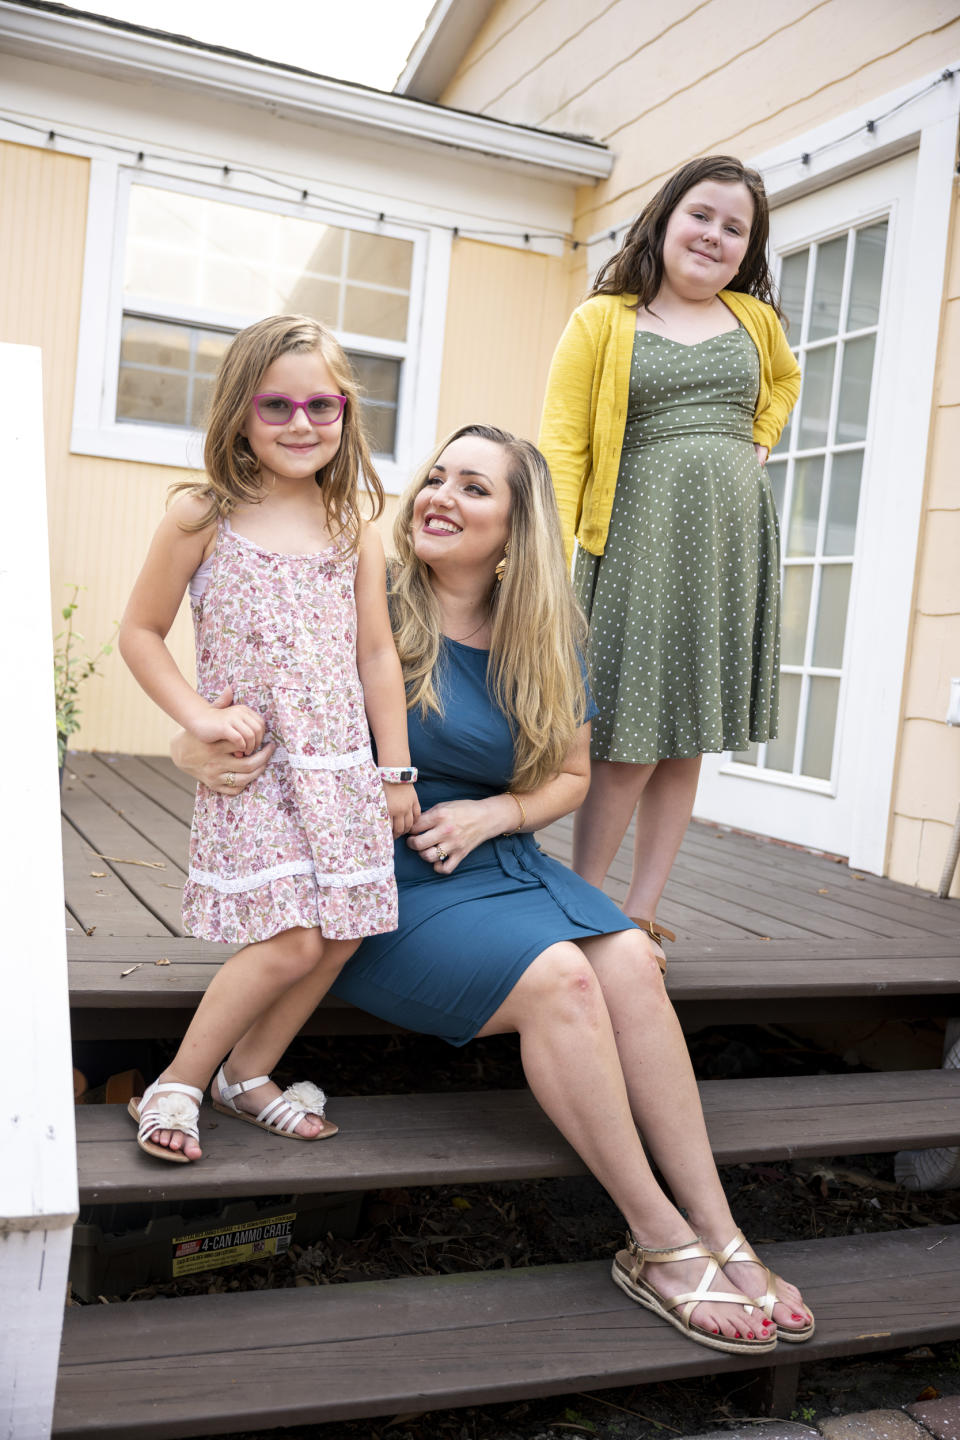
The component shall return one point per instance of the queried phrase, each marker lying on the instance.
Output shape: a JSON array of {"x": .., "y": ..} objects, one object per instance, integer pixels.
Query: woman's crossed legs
[{"x": 604, "y": 1054}]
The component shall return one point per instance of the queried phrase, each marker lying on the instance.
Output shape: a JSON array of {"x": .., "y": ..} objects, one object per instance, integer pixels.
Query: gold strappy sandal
[
  {"x": 656, "y": 932},
  {"x": 677, "y": 1309},
  {"x": 740, "y": 1251}
]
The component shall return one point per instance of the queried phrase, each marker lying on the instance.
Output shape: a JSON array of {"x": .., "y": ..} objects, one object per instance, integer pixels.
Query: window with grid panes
[
  {"x": 198, "y": 270},
  {"x": 831, "y": 293}
]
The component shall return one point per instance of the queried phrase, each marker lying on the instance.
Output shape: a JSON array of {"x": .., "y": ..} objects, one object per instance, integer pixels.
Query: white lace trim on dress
[
  {"x": 323, "y": 762},
  {"x": 325, "y": 880}
]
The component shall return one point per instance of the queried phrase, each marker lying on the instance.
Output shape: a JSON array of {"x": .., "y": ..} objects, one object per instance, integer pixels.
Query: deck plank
[
  {"x": 155, "y": 881},
  {"x": 97, "y": 895},
  {"x": 485, "y": 1136},
  {"x": 208, "y": 1365}
]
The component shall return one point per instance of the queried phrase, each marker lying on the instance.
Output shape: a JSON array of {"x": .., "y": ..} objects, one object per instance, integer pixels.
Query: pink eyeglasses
[{"x": 276, "y": 409}]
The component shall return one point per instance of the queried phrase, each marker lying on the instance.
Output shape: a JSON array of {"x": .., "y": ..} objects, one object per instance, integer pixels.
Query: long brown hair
[
  {"x": 538, "y": 633},
  {"x": 233, "y": 476},
  {"x": 637, "y": 267}
]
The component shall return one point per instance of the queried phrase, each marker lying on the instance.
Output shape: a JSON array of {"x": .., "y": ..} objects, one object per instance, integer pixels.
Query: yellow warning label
[{"x": 232, "y": 1244}]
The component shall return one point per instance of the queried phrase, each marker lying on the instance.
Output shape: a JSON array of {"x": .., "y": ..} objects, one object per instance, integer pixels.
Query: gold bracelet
[{"x": 523, "y": 815}]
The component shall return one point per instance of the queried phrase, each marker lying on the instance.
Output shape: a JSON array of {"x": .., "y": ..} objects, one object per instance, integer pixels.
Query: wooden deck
[
  {"x": 125, "y": 827},
  {"x": 765, "y": 932}
]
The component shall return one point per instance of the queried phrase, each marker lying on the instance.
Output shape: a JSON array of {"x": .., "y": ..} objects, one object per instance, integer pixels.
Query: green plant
[
  {"x": 70, "y": 670},
  {"x": 805, "y": 1412}
]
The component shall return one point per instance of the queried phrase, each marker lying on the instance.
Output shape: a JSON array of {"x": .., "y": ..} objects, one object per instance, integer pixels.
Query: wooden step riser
[
  {"x": 214, "y": 1364},
  {"x": 485, "y": 1136}
]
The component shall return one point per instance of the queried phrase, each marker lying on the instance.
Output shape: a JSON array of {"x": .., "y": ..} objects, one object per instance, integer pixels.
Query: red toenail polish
[
  {"x": 750, "y": 1335},
  {"x": 798, "y": 1317}
]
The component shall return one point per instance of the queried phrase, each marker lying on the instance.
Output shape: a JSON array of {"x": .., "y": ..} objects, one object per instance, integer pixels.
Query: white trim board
[{"x": 38, "y": 1174}]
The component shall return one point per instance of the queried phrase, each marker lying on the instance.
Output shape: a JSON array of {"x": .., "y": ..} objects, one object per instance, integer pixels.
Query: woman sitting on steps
[{"x": 496, "y": 937}]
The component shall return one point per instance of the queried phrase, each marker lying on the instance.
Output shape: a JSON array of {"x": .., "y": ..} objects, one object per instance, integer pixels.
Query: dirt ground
[{"x": 447, "y": 1229}]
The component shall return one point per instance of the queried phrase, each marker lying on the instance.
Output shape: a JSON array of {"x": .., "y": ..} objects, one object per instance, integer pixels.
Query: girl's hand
[
  {"x": 762, "y": 452},
  {"x": 239, "y": 726},
  {"x": 454, "y": 829},
  {"x": 403, "y": 805},
  {"x": 216, "y": 763}
]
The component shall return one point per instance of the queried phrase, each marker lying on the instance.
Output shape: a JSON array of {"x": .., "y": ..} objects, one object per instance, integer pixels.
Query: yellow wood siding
[
  {"x": 505, "y": 311},
  {"x": 101, "y": 512},
  {"x": 927, "y": 784},
  {"x": 755, "y": 76}
]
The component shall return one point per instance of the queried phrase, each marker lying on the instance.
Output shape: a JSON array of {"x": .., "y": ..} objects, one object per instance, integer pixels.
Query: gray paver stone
[
  {"x": 873, "y": 1425},
  {"x": 941, "y": 1417}
]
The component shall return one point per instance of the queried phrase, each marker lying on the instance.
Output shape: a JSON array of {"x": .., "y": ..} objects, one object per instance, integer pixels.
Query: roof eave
[
  {"x": 135, "y": 55},
  {"x": 450, "y": 29}
]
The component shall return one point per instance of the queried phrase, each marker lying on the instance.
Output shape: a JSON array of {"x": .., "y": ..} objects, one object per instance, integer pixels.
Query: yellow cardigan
[{"x": 585, "y": 409}]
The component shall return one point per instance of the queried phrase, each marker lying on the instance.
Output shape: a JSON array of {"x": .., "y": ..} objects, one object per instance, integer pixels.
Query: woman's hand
[
  {"x": 445, "y": 833},
  {"x": 217, "y": 764},
  {"x": 762, "y": 452}
]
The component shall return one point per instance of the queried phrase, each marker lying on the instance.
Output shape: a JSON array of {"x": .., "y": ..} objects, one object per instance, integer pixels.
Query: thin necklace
[{"x": 473, "y": 632}]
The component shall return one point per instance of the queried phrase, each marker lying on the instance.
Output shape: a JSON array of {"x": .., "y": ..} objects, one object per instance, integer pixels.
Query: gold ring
[
  {"x": 441, "y": 854},
  {"x": 231, "y": 779}
]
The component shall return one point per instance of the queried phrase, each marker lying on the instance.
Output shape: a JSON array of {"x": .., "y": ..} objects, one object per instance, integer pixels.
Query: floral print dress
[{"x": 310, "y": 842}]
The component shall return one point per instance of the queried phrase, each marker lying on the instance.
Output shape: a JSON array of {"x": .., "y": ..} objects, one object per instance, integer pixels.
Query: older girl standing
[{"x": 668, "y": 388}]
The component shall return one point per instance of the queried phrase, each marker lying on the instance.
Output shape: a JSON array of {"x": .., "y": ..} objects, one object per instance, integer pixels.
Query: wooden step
[
  {"x": 208, "y": 1365},
  {"x": 118, "y": 988},
  {"x": 392, "y": 1140}
]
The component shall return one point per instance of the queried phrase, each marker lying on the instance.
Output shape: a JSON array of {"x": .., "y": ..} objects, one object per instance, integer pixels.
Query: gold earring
[{"x": 502, "y": 564}]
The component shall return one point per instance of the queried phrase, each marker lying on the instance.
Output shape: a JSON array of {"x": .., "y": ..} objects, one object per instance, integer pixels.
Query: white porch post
[{"x": 38, "y": 1171}]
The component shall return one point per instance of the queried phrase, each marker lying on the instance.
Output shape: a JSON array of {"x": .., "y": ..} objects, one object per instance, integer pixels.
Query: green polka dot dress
[{"x": 684, "y": 604}]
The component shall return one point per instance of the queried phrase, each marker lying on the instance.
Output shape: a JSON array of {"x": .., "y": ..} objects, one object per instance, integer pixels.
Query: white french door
[{"x": 841, "y": 256}]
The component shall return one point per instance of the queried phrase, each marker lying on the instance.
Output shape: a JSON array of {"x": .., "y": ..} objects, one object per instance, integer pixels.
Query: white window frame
[{"x": 96, "y": 431}]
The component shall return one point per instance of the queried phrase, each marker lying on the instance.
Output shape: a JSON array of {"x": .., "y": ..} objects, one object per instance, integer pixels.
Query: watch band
[{"x": 397, "y": 774}]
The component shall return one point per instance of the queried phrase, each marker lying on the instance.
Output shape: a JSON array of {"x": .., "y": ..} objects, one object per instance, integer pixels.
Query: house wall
[
  {"x": 505, "y": 311},
  {"x": 927, "y": 786},
  {"x": 756, "y": 76},
  {"x": 101, "y": 512},
  {"x": 505, "y": 308}
]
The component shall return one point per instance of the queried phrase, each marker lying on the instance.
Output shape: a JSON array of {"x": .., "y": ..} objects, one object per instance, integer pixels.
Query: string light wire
[{"x": 306, "y": 196}]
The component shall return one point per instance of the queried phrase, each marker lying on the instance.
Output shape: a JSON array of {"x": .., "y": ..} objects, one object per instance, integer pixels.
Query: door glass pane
[
  {"x": 867, "y": 276},
  {"x": 793, "y": 284},
  {"x": 844, "y": 503},
  {"x": 797, "y": 584},
  {"x": 748, "y": 756},
  {"x": 805, "y": 506},
  {"x": 777, "y": 475},
  {"x": 827, "y": 289},
  {"x": 780, "y": 751},
  {"x": 821, "y": 725},
  {"x": 831, "y": 616},
  {"x": 855, "y": 389},
  {"x": 815, "y": 397}
]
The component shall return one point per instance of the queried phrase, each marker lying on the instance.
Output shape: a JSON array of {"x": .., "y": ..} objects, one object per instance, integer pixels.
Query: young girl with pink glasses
[{"x": 287, "y": 588}]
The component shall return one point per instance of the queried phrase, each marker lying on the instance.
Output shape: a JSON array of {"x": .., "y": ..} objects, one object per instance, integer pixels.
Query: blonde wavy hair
[
  {"x": 233, "y": 476},
  {"x": 535, "y": 674}
]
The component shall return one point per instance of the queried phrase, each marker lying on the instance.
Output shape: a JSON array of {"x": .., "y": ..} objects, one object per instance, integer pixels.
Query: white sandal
[
  {"x": 177, "y": 1107},
  {"x": 280, "y": 1116}
]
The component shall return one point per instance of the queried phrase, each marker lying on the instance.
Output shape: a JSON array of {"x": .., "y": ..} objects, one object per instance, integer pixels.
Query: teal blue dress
[{"x": 464, "y": 940}]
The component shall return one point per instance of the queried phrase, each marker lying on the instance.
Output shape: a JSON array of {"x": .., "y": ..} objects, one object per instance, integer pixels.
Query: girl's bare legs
[
  {"x": 662, "y": 797},
  {"x": 665, "y": 1103},
  {"x": 571, "y": 1061},
  {"x": 243, "y": 1012}
]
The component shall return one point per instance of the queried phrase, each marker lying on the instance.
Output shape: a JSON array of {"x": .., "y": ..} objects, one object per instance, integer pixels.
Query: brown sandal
[
  {"x": 656, "y": 932},
  {"x": 740, "y": 1251},
  {"x": 628, "y": 1274}
]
